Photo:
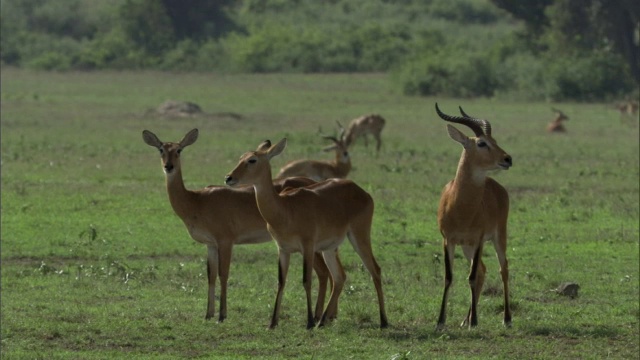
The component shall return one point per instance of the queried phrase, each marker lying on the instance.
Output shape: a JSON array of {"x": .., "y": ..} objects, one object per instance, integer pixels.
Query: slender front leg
[
  {"x": 307, "y": 279},
  {"x": 448, "y": 279},
  {"x": 283, "y": 268},
  {"x": 224, "y": 263},
  {"x": 212, "y": 274},
  {"x": 378, "y": 142}
]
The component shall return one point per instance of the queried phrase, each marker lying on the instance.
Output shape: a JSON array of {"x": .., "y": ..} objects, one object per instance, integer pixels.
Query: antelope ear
[
  {"x": 277, "y": 148},
  {"x": 264, "y": 146},
  {"x": 458, "y": 136},
  {"x": 189, "y": 138},
  {"x": 151, "y": 139}
]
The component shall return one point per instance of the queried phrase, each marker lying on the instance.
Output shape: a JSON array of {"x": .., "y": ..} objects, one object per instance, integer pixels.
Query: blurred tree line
[{"x": 544, "y": 49}]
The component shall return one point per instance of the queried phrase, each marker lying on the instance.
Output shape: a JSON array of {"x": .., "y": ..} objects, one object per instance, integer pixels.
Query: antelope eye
[
  {"x": 482, "y": 144},
  {"x": 252, "y": 161},
  {"x": 179, "y": 151}
]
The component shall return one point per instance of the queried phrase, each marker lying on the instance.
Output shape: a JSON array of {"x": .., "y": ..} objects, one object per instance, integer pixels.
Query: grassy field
[{"x": 96, "y": 265}]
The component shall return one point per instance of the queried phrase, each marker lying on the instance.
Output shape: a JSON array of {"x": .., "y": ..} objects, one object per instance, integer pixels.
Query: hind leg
[
  {"x": 332, "y": 259},
  {"x": 476, "y": 281},
  {"x": 361, "y": 242}
]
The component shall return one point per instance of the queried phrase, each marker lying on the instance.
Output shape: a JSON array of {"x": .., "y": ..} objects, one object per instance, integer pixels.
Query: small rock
[
  {"x": 178, "y": 108},
  {"x": 568, "y": 289}
]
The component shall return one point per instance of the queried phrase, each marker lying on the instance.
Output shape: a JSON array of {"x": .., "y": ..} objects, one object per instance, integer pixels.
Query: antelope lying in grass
[
  {"x": 474, "y": 209},
  {"x": 311, "y": 219},
  {"x": 364, "y": 125},
  {"x": 322, "y": 170},
  {"x": 556, "y": 125},
  {"x": 221, "y": 217}
]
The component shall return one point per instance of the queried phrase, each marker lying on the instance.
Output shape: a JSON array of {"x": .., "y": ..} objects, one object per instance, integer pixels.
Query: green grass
[{"x": 95, "y": 264}]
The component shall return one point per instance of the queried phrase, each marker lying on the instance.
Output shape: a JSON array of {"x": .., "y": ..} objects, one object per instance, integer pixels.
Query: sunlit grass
[{"x": 96, "y": 265}]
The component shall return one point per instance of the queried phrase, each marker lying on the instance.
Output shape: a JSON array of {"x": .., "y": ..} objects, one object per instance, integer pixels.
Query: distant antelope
[
  {"x": 322, "y": 170},
  {"x": 556, "y": 125},
  {"x": 628, "y": 107},
  {"x": 221, "y": 217},
  {"x": 474, "y": 209},
  {"x": 311, "y": 219},
  {"x": 364, "y": 125}
]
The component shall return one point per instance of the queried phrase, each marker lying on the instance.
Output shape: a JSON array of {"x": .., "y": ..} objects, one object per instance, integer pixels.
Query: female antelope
[
  {"x": 221, "y": 217},
  {"x": 311, "y": 219}
]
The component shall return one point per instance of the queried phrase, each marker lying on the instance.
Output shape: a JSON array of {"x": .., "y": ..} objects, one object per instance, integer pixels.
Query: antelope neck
[
  {"x": 177, "y": 192},
  {"x": 469, "y": 182},
  {"x": 267, "y": 198}
]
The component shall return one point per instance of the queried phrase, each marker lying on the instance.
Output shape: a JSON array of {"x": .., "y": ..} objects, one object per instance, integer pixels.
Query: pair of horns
[
  {"x": 340, "y": 135},
  {"x": 479, "y": 126}
]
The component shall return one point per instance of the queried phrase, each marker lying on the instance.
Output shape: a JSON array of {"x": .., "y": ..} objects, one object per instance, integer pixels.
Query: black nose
[
  {"x": 168, "y": 168},
  {"x": 227, "y": 179},
  {"x": 508, "y": 160}
]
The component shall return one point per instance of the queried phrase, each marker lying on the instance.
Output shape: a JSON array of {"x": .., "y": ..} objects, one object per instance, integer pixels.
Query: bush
[
  {"x": 464, "y": 11},
  {"x": 105, "y": 51},
  {"x": 448, "y": 72},
  {"x": 521, "y": 76},
  {"x": 587, "y": 77},
  {"x": 46, "y": 52}
]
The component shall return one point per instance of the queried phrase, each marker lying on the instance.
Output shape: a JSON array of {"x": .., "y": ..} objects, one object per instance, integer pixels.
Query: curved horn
[
  {"x": 474, "y": 124},
  {"x": 484, "y": 124}
]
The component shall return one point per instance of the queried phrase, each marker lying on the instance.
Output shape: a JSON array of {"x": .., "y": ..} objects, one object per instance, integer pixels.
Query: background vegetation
[
  {"x": 95, "y": 265},
  {"x": 534, "y": 50}
]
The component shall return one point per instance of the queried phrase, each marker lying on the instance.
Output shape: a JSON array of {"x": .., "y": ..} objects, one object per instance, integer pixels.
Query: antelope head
[
  {"x": 254, "y": 164},
  {"x": 170, "y": 152},
  {"x": 339, "y": 145},
  {"x": 481, "y": 152},
  {"x": 560, "y": 116}
]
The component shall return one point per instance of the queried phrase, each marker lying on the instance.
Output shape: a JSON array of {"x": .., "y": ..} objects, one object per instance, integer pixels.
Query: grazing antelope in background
[
  {"x": 474, "y": 209},
  {"x": 221, "y": 217},
  {"x": 556, "y": 125},
  {"x": 311, "y": 219},
  {"x": 322, "y": 170},
  {"x": 628, "y": 107},
  {"x": 360, "y": 127}
]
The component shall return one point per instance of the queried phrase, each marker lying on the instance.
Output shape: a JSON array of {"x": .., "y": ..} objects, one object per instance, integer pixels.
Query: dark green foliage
[
  {"x": 448, "y": 72},
  {"x": 148, "y": 25},
  {"x": 587, "y": 78},
  {"x": 284, "y": 47},
  {"x": 566, "y": 49}
]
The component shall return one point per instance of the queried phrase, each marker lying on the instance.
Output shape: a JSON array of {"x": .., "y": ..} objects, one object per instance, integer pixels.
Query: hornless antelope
[
  {"x": 628, "y": 108},
  {"x": 322, "y": 170},
  {"x": 474, "y": 209},
  {"x": 311, "y": 219},
  {"x": 221, "y": 217},
  {"x": 368, "y": 124},
  {"x": 556, "y": 125}
]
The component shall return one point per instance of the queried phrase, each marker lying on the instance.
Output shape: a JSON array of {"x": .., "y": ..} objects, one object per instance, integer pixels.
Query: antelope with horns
[
  {"x": 311, "y": 219},
  {"x": 473, "y": 209},
  {"x": 556, "y": 125},
  {"x": 221, "y": 217},
  {"x": 322, "y": 170},
  {"x": 364, "y": 125}
]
